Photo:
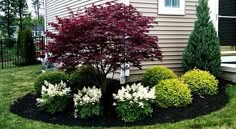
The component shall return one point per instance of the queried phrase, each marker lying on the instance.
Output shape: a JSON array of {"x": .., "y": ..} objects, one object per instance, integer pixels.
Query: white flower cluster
[
  {"x": 87, "y": 96},
  {"x": 51, "y": 90},
  {"x": 135, "y": 93}
]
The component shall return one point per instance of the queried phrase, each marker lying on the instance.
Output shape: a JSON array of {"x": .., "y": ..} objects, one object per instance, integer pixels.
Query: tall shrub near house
[
  {"x": 27, "y": 47},
  {"x": 103, "y": 37},
  {"x": 203, "y": 49}
]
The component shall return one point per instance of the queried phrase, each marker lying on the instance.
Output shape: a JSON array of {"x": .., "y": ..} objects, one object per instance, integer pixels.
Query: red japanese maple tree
[{"x": 104, "y": 36}]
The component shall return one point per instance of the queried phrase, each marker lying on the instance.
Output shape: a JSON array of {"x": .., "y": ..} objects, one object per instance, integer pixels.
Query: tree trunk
[
  {"x": 8, "y": 20},
  {"x": 20, "y": 14},
  {"x": 106, "y": 100}
]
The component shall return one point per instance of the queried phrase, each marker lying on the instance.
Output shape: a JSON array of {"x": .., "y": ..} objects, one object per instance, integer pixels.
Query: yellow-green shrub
[
  {"x": 172, "y": 93},
  {"x": 154, "y": 75},
  {"x": 201, "y": 82}
]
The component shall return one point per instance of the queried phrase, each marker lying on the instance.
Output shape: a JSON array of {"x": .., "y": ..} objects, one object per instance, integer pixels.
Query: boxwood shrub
[
  {"x": 172, "y": 93},
  {"x": 154, "y": 75},
  {"x": 53, "y": 77},
  {"x": 201, "y": 82},
  {"x": 84, "y": 76}
]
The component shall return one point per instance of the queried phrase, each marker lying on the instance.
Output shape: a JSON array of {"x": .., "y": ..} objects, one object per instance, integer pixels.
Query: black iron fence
[
  {"x": 40, "y": 46},
  {"x": 10, "y": 55}
]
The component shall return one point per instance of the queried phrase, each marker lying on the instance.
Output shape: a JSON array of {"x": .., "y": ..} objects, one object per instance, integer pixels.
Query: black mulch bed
[{"x": 25, "y": 107}]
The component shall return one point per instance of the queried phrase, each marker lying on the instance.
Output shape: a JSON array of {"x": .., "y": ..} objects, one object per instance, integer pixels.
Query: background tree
[
  {"x": 39, "y": 20},
  {"x": 37, "y": 6},
  {"x": 12, "y": 11},
  {"x": 203, "y": 49},
  {"x": 1, "y": 26},
  {"x": 104, "y": 37},
  {"x": 27, "y": 21},
  {"x": 22, "y": 8},
  {"x": 8, "y": 9}
]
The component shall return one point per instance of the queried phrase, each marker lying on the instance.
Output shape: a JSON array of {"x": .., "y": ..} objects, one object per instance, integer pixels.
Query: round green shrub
[
  {"x": 201, "y": 82},
  {"x": 172, "y": 93},
  {"x": 84, "y": 76},
  {"x": 154, "y": 75},
  {"x": 52, "y": 77}
]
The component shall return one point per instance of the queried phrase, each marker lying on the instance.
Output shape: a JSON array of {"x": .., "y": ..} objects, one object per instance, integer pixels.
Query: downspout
[
  {"x": 124, "y": 73},
  {"x": 45, "y": 23}
]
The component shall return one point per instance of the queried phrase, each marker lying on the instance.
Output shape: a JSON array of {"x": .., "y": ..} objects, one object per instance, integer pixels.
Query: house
[
  {"x": 37, "y": 31},
  {"x": 175, "y": 22}
]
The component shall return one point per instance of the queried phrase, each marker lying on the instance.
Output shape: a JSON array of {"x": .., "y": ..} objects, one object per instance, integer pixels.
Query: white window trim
[
  {"x": 214, "y": 8},
  {"x": 169, "y": 10},
  {"x": 126, "y": 2}
]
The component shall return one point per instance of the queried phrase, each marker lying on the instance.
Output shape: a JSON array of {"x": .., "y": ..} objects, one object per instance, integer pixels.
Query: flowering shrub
[
  {"x": 134, "y": 102},
  {"x": 87, "y": 102},
  {"x": 54, "y": 97}
]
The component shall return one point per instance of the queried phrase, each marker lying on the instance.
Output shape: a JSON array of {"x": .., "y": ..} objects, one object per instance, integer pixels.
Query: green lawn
[{"x": 19, "y": 81}]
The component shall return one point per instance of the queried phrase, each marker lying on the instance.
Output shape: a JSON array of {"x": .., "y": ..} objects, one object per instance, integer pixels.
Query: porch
[{"x": 228, "y": 66}]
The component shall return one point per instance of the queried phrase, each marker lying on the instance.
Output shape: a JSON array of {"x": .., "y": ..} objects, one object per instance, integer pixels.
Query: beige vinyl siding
[
  {"x": 60, "y": 8},
  {"x": 172, "y": 30}
]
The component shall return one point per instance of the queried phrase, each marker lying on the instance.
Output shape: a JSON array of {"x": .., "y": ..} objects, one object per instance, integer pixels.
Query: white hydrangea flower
[
  {"x": 141, "y": 104},
  {"x": 135, "y": 94},
  {"x": 134, "y": 98},
  {"x": 51, "y": 90},
  {"x": 86, "y": 96},
  {"x": 55, "y": 90},
  {"x": 40, "y": 100}
]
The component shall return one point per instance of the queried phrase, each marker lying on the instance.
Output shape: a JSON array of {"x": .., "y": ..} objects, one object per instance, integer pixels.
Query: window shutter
[{"x": 227, "y": 22}]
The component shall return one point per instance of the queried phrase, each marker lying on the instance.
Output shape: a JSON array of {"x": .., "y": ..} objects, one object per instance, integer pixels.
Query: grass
[{"x": 17, "y": 82}]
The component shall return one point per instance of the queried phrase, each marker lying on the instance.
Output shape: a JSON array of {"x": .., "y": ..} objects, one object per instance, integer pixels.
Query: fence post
[
  {"x": 1, "y": 45},
  {"x": 43, "y": 47}
]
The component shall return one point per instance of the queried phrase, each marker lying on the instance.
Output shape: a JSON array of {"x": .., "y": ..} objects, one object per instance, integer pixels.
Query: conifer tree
[
  {"x": 203, "y": 49},
  {"x": 27, "y": 47}
]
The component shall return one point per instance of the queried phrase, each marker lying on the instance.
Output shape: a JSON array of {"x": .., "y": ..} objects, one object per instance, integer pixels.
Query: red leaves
[{"x": 101, "y": 35}]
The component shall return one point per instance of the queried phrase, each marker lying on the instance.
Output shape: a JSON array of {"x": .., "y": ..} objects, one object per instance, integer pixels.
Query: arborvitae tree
[
  {"x": 27, "y": 47},
  {"x": 203, "y": 49}
]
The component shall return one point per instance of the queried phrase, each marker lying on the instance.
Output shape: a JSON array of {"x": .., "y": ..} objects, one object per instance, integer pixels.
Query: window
[
  {"x": 172, "y": 3},
  {"x": 171, "y": 7}
]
